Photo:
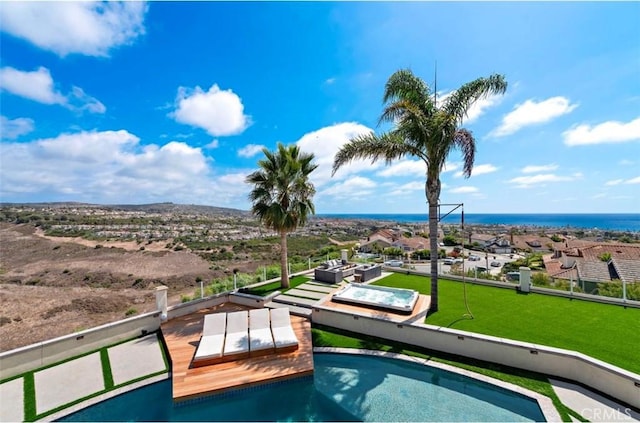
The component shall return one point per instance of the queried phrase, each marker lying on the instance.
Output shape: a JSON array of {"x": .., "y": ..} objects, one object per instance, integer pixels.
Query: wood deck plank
[{"x": 182, "y": 335}]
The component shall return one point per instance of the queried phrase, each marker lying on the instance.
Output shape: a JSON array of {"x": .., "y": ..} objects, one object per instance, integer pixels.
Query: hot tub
[{"x": 395, "y": 299}]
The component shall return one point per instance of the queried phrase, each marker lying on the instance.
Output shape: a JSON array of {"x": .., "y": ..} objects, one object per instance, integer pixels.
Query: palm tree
[
  {"x": 426, "y": 129},
  {"x": 282, "y": 194}
]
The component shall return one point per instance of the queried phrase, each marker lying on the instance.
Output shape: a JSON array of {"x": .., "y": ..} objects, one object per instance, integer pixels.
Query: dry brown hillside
[{"x": 51, "y": 287}]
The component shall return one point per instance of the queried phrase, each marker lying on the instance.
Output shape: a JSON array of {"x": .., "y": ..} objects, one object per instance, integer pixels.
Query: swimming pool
[
  {"x": 396, "y": 299},
  {"x": 344, "y": 388}
]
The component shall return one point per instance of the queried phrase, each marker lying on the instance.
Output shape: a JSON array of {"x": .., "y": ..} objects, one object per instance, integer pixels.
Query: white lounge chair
[
  {"x": 283, "y": 335},
  {"x": 236, "y": 344},
  {"x": 260, "y": 337},
  {"x": 211, "y": 344}
]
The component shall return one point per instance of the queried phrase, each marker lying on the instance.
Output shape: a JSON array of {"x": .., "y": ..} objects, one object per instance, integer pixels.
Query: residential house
[
  {"x": 385, "y": 238},
  {"x": 500, "y": 246},
  {"x": 596, "y": 263}
]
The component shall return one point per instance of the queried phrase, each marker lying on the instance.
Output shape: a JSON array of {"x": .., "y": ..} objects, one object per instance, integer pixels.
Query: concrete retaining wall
[
  {"x": 614, "y": 381},
  {"x": 183, "y": 309},
  {"x": 42, "y": 354},
  {"x": 251, "y": 300}
]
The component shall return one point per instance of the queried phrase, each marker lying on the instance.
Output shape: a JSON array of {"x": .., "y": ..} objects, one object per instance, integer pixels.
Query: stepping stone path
[{"x": 306, "y": 294}]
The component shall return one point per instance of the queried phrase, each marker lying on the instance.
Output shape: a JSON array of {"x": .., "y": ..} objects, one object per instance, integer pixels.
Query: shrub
[
  {"x": 130, "y": 311},
  {"x": 540, "y": 279}
]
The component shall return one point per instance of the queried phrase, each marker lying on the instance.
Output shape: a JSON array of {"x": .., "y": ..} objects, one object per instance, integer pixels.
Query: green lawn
[
  {"x": 265, "y": 290},
  {"x": 607, "y": 332}
]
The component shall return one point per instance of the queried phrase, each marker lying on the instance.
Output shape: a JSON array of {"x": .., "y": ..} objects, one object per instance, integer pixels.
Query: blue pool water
[{"x": 343, "y": 388}]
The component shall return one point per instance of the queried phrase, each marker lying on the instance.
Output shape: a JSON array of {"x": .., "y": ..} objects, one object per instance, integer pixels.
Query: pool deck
[{"x": 182, "y": 335}]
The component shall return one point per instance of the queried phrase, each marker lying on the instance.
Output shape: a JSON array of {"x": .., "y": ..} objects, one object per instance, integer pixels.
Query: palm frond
[
  {"x": 387, "y": 147},
  {"x": 466, "y": 143},
  {"x": 460, "y": 101}
]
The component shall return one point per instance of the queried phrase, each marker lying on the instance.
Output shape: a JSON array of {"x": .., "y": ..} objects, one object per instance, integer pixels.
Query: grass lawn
[
  {"x": 607, "y": 332},
  {"x": 265, "y": 290}
]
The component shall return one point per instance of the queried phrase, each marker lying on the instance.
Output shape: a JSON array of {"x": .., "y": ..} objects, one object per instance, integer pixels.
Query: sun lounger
[
  {"x": 211, "y": 344},
  {"x": 236, "y": 344},
  {"x": 283, "y": 335},
  {"x": 260, "y": 337}
]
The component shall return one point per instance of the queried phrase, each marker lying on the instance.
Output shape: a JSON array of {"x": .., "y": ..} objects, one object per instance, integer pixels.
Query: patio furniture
[
  {"x": 211, "y": 346},
  {"x": 260, "y": 336},
  {"x": 236, "y": 344},
  {"x": 368, "y": 272},
  {"x": 283, "y": 335},
  {"x": 328, "y": 275}
]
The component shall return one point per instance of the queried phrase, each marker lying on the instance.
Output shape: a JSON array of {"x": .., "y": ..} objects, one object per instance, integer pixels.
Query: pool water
[
  {"x": 343, "y": 388},
  {"x": 394, "y": 298}
]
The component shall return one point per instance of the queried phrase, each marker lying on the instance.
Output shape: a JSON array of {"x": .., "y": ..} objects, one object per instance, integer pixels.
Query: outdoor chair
[
  {"x": 260, "y": 336},
  {"x": 211, "y": 344}
]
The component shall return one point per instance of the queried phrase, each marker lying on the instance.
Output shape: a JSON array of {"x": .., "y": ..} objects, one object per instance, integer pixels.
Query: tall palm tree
[
  {"x": 426, "y": 129},
  {"x": 282, "y": 194}
]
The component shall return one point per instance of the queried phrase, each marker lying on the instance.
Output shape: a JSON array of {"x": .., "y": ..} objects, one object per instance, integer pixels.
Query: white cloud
[
  {"x": 450, "y": 166},
  {"x": 635, "y": 180},
  {"x": 614, "y": 182},
  {"x": 79, "y": 100},
  {"x": 330, "y": 81},
  {"x": 604, "y": 133},
  {"x": 39, "y": 86},
  {"x": 478, "y": 170},
  {"x": 250, "y": 150},
  {"x": 626, "y": 162},
  {"x": 114, "y": 167},
  {"x": 213, "y": 144},
  {"x": 463, "y": 190},
  {"x": 528, "y": 181},
  {"x": 531, "y": 112},
  {"x": 408, "y": 188},
  {"x": 404, "y": 168},
  {"x": 36, "y": 85},
  {"x": 218, "y": 112},
  {"x": 325, "y": 143},
  {"x": 540, "y": 168},
  {"x": 13, "y": 128},
  {"x": 356, "y": 187},
  {"x": 89, "y": 28}
]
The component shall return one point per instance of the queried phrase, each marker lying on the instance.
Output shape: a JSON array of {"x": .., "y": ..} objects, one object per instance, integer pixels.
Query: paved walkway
[
  {"x": 590, "y": 405},
  {"x": 82, "y": 379}
]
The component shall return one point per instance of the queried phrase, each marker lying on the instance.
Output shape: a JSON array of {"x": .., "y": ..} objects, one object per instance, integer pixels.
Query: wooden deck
[{"x": 182, "y": 335}]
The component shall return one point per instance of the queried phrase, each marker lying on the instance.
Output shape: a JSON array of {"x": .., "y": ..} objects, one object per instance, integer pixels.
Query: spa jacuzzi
[{"x": 395, "y": 299}]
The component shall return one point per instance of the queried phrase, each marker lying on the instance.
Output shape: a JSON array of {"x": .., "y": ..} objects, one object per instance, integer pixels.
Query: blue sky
[{"x": 166, "y": 101}]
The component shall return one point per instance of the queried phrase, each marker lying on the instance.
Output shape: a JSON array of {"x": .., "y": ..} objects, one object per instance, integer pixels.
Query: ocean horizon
[{"x": 605, "y": 221}]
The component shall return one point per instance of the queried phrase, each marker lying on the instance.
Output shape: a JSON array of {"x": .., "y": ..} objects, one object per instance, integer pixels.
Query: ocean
[{"x": 606, "y": 221}]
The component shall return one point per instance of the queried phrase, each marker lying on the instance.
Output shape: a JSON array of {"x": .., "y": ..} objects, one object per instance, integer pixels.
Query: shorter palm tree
[{"x": 282, "y": 194}]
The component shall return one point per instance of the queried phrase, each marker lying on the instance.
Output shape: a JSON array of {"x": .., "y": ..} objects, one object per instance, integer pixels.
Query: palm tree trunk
[
  {"x": 432, "y": 191},
  {"x": 433, "y": 245},
  {"x": 284, "y": 269}
]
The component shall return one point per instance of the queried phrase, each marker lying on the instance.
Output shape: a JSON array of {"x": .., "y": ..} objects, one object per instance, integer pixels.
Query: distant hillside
[{"x": 150, "y": 208}]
